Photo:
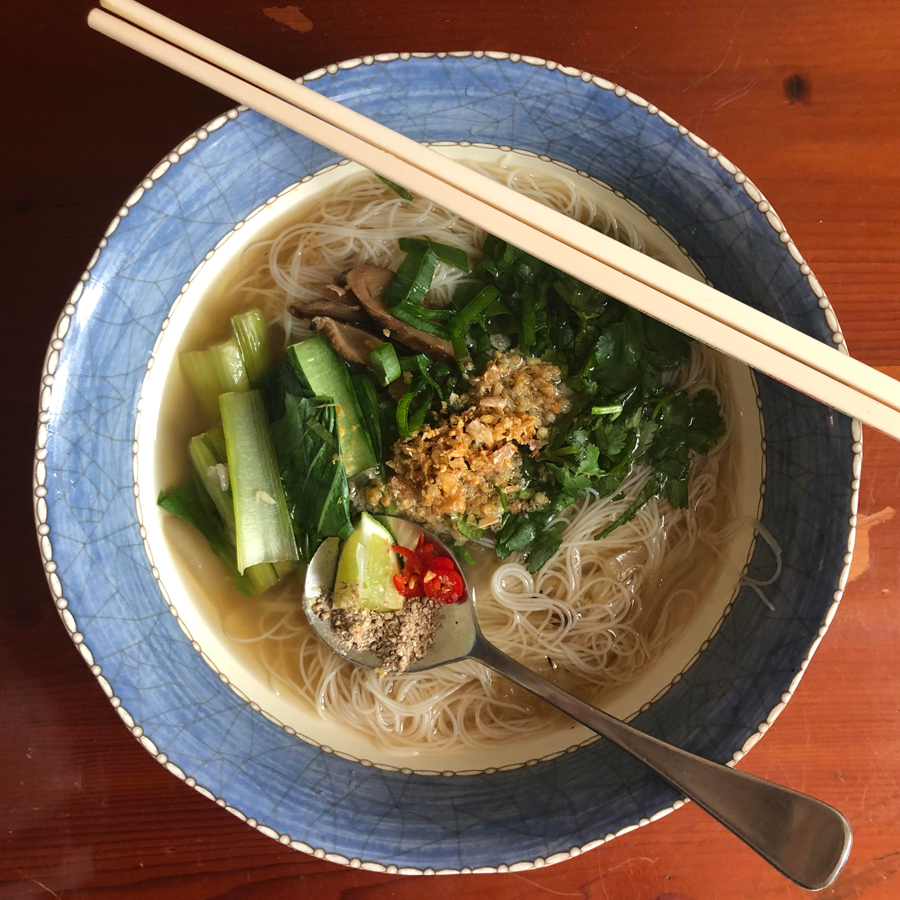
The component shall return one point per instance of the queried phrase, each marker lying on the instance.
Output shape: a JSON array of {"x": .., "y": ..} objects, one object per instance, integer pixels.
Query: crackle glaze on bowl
[{"x": 189, "y": 710}]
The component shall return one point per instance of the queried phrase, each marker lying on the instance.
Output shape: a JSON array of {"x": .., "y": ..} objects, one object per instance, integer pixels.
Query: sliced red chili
[
  {"x": 409, "y": 581},
  {"x": 408, "y": 585},
  {"x": 443, "y": 586},
  {"x": 424, "y": 548},
  {"x": 412, "y": 560},
  {"x": 440, "y": 564},
  {"x": 423, "y": 572}
]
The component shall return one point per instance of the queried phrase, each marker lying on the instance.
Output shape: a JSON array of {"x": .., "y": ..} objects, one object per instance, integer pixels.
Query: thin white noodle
[{"x": 597, "y": 613}]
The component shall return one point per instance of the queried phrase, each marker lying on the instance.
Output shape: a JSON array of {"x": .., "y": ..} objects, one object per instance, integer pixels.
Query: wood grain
[{"x": 801, "y": 95}]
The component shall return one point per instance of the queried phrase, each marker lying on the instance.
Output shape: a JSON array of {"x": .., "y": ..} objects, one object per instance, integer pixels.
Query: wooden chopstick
[
  {"x": 818, "y": 370},
  {"x": 614, "y": 254}
]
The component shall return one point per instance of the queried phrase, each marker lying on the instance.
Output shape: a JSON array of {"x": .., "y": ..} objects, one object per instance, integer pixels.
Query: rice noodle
[{"x": 596, "y": 614}]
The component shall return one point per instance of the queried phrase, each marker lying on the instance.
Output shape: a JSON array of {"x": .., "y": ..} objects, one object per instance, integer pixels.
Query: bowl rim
[{"x": 57, "y": 342}]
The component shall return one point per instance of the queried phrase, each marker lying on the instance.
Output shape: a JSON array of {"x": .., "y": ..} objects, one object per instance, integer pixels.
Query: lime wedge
[{"x": 366, "y": 568}]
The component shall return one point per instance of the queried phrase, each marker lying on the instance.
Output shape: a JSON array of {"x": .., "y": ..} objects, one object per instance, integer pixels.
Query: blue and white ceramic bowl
[{"x": 165, "y": 669}]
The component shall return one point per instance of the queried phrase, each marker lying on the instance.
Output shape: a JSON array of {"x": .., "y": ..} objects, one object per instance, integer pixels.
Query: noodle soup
[{"x": 612, "y": 620}]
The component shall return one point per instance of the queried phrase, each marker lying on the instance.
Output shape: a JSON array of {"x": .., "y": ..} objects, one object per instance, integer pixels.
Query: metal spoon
[{"x": 805, "y": 839}]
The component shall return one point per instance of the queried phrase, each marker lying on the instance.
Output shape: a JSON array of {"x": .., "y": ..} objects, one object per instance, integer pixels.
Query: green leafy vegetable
[
  {"x": 327, "y": 375},
  {"x": 467, "y": 529},
  {"x": 623, "y": 411},
  {"x": 650, "y": 489},
  {"x": 401, "y": 192},
  {"x": 519, "y": 533},
  {"x": 189, "y": 502},
  {"x": 281, "y": 380},
  {"x": 373, "y": 417},
  {"x": 547, "y": 543},
  {"x": 463, "y": 555},
  {"x": 314, "y": 481},
  {"x": 667, "y": 348}
]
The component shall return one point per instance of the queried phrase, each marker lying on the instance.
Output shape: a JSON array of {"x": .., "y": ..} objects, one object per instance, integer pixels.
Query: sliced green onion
[
  {"x": 408, "y": 425},
  {"x": 262, "y": 523},
  {"x": 499, "y": 256},
  {"x": 412, "y": 315},
  {"x": 385, "y": 365},
  {"x": 401, "y": 192},
  {"x": 417, "y": 419},
  {"x": 504, "y": 501},
  {"x": 421, "y": 365},
  {"x": 614, "y": 408},
  {"x": 453, "y": 256},
  {"x": 460, "y": 323},
  {"x": 424, "y": 312},
  {"x": 497, "y": 308},
  {"x": 413, "y": 279},
  {"x": 403, "y": 413},
  {"x": 229, "y": 365},
  {"x": 252, "y": 336},
  {"x": 200, "y": 371},
  {"x": 418, "y": 363}
]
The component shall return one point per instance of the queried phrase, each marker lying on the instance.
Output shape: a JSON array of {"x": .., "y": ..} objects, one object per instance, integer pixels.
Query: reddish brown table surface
[{"x": 802, "y": 94}]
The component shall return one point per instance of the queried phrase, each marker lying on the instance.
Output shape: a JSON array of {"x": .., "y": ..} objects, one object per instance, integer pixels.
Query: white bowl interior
[{"x": 189, "y": 598}]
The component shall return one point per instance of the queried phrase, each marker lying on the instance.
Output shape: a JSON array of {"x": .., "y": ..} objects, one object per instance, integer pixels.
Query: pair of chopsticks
[{"x": 648, "y": 285}]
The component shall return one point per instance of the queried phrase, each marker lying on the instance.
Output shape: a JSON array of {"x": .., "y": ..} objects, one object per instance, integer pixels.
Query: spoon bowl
[
  {"x": 805, "y": 839},
  {"x": 453, "y": 640}
]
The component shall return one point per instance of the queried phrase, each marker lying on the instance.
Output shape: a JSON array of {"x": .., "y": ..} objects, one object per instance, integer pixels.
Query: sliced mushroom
[
  {"x": 343, "y": 312},
  {"x": 353, "y": 344},
  {"x": 339, "y": 294},
  {"x": 368, "y": 283}
]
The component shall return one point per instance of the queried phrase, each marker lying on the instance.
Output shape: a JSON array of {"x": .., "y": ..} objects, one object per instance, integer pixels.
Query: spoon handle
[{"x": 804, "y": 838}]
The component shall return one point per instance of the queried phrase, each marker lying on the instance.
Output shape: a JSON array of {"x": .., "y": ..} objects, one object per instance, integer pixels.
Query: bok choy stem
[
  {"x": 262, "y": 523},
  {"x": 229, "y": 365},
  {"x": 213, "y": 475},
  {"x": 199, "y": 369},
  {"x": 207, "y": 452},
  {"x": 253, "y": 338}
]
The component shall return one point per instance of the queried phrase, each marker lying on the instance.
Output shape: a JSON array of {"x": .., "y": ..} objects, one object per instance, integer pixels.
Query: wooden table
[{"x": 801, "y": 94}]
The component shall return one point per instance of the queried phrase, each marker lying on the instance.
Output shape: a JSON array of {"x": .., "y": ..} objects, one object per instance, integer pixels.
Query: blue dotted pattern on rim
[{"x": 203, "y": 727}]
